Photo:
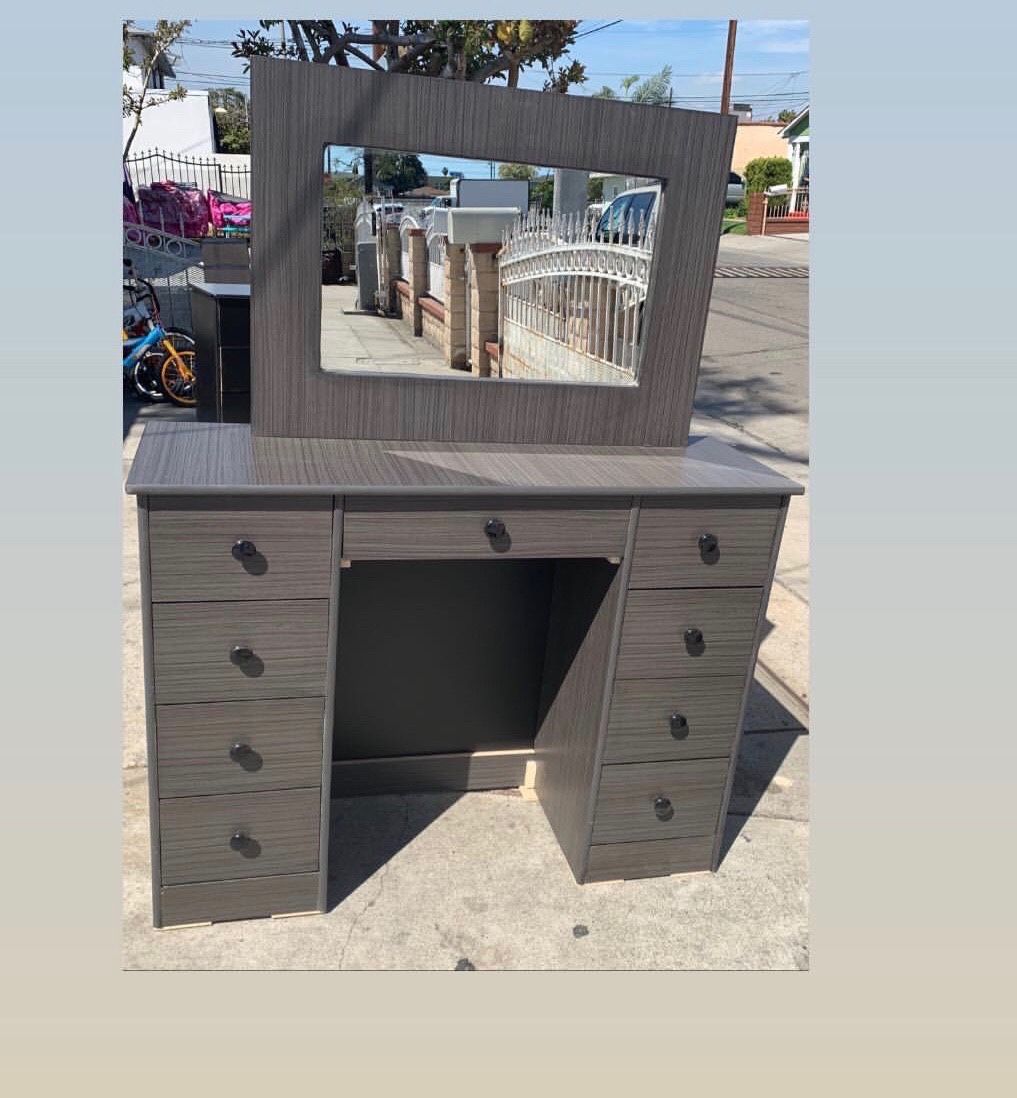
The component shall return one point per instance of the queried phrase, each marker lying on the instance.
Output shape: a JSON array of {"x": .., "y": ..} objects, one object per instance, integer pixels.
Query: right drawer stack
[{"x": 696, "y": 586}]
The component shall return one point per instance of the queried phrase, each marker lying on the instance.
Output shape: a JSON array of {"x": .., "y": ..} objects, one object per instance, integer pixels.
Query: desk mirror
[
  {"x": 436, "y": 266},
  {"x": 485, "y": 308}
]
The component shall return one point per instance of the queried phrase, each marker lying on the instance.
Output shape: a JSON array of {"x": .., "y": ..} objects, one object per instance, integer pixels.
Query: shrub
[{"x": 767, "y": 171}]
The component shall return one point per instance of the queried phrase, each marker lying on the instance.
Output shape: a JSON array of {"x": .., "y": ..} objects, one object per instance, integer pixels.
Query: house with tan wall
[{"x": 754, "y": 139}]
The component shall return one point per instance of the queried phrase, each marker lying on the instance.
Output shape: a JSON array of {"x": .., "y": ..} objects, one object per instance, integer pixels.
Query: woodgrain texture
[
  {"x": 579, "y": 666},
  {"x": 442, "y": 773},
  {"x": 283, "y": 737},
  {"x": 193, "y": 643},
  {"x": 639, "y": 727},
  {"x": 192, "y": 540},
  {"x": 151, "y": 741},
  {"x": 330, "y": 687},
  {"x": 625, "y": 800},
  {"x": 655, "y": 858},
  {"x": 304, "y": 107},
  {"x": 750, "y": 671},
  {"x": 668, "y": 551},
  {"x": 282, "y": 827},
  {"x": 224, "y": 458},
  {"x": 247, "y": 898},
  {"x": 653, "y": 644},
  {"x": 394, "y": 528}
]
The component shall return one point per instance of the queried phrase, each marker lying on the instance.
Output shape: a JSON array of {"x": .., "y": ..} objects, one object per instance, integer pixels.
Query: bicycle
[
  {"x": 164, "y": 366},
  {"x": 175, "y": 365}
]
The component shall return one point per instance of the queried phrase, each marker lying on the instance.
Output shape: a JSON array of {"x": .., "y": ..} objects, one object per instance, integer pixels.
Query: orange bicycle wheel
[{"x": 178, "y": 377}]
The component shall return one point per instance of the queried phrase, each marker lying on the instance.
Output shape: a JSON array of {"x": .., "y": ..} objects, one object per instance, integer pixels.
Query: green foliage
[
  {"x": 156, "y": 46},
  {"x": 766, "y": 171},
  {"x": 516, "y": 171},
  {"x": 472, "y": 49},
  {"x": 337, "y": 189},
  {"x": 400, "y": 171},
  {"x": 594, "y": 190},
  {"x": 787, "y": 115},
  {"x": 232, "y": 129},
  {"x": 542, "y": 192},
  {"x": 655, "y": 90}
]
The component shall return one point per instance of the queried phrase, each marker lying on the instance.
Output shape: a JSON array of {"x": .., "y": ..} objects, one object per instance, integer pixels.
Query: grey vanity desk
[{"x": 327, "y": 617}]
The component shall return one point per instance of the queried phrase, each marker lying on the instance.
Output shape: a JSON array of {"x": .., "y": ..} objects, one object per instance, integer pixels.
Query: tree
[
  {"x": 595, "y": 189},
  {"x": 766, "y": 171},
  {"x": 787, "y": 115},
  {"x": 231, "y": 111},
  {"x": 400, "y": 171},
  {"x": 517, "y": 171},
  {"x": 655, "y": 90},
  {"x": 542, "y": 192},
  {"x": 473, "y": 49},
  {"x": 155, "y": 48}
]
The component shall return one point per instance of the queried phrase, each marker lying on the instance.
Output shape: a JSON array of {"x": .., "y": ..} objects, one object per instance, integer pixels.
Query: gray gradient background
[{"x": 913, "y": 635}]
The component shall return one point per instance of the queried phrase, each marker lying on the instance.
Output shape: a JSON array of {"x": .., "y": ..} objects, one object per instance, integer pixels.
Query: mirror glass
[{"x": 436, "y": 266}]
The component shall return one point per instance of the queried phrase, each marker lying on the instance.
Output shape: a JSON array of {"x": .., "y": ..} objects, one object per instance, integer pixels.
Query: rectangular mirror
[{"x": 491, "y": 270}]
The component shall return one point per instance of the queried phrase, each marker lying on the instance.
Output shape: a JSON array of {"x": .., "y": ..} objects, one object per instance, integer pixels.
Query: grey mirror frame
[{"x": 300, "y": 107}]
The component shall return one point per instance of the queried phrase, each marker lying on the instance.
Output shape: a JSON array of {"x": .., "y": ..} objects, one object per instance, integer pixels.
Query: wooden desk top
[{"x": 223, "y": 458}]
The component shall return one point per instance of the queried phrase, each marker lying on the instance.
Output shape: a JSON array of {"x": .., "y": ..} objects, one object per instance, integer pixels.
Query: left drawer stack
[{"x": 237, "y": 669}]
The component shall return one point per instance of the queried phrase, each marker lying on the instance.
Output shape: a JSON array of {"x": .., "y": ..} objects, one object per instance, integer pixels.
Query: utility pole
[{"x": 725, "y": 94}]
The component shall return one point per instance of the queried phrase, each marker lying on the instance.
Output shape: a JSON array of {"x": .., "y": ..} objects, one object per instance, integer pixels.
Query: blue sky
[{"x": 771, "y": 62}]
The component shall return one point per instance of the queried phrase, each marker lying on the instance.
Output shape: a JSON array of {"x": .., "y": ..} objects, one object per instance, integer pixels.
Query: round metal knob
[
  {"x": 679, "y": 725},
  {"x": 244, "y": 550},
  {"x": 494, "y": 528},
  {"x": 663, "y": 808},
  {"x": 694, "y": 636},
  {"x": 708, "y": 543},
  {"x": 238, "y": 840},
  {"x": 239, "y": 750},
  {"x": 240, "y": 654}
]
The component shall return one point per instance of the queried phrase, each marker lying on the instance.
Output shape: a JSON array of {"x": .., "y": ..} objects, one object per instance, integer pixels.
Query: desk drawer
[
  {"x": 665, "y": 719},
  {"x": 275, "y": 832},
  {"x": 660, "y": 631},
  {"x": 696, "y": 546},
  {"x": 654, "y": 858},
  {"x": 670, "y": 800},
  {"x": 428, "y": 529},
  {"x": 192, "y": 541},
  {"x": 194, "y": 658},
  {"x": 239, "y": 747}
]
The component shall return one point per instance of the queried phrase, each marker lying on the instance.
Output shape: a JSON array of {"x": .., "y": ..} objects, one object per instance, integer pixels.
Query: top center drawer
[
  {"x": 216, "y": 548},
  {"x": 402, "y": 528}
]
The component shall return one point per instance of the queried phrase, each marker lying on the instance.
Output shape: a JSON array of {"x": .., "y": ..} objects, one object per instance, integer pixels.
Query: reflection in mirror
[{"x": 442, "y": 267}]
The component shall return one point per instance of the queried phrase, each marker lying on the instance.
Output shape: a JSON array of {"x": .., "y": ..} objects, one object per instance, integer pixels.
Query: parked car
[
  {"x": 735, "y": 189},
  {"x": 392, "y": 212},
  {"x": 625, "y": 212}
]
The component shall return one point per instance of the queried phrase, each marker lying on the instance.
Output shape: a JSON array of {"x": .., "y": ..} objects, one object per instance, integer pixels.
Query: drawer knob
[
  {"x": 663, "y": 809},
  {"x": 693, "y": 637},
  {"x": 708, "y": 544},
  {"x": 244, "y": 550},
  {"x": 239, "y": 840},
  {"x": 240, "y": 654},
  {"x": 494, "y": 528},
  {"x": 679, "y": 726},
  {"x": 239, "y": 751}
]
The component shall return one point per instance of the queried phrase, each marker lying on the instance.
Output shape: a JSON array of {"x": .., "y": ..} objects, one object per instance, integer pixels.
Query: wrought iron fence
[
  {"x": 565, "y": 282},
  {"x": 792, "y": 205},
  {"x": 206, "y": 173},
  {"x": 406, "y": 223},
  {"x": 437, "y": 242}
]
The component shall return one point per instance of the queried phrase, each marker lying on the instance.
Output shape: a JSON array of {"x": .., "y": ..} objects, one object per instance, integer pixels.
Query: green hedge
[{"x": 767, "y": 171}]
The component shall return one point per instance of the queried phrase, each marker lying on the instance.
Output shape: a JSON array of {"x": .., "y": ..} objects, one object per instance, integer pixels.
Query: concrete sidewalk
[{"x": 477, "y": 880}]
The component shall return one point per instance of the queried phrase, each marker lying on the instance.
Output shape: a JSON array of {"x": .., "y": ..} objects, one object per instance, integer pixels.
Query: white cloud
[{"x": 775, "y": 35}]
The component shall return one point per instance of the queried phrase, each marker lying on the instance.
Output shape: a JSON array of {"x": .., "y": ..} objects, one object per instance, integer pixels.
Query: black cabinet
[{"x": 221, "y": 316}]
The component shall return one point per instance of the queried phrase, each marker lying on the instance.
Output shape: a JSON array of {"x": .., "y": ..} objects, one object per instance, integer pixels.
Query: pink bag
[
  {"x": 177, "y": 208},
  {"x": 130, "y": 213},
  {"x": 227, "y": 211}
]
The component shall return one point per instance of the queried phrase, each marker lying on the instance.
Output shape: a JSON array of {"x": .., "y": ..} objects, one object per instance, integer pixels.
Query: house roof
[
  {"x": 162, "y": 64},
  {"x": 425, "y": 192},
  {"x": 786, "y": 131}
]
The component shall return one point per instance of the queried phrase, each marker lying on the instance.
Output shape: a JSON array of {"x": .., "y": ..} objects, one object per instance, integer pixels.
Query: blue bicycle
[{"x": 156, "y": 362}]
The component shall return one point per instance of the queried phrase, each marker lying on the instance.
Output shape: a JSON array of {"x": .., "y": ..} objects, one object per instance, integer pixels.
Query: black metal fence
[{"x": 206, "y": 173}]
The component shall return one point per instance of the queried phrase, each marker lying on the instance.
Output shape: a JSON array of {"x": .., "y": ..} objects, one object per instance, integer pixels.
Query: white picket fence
[{"x": 564, "y": 282}]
